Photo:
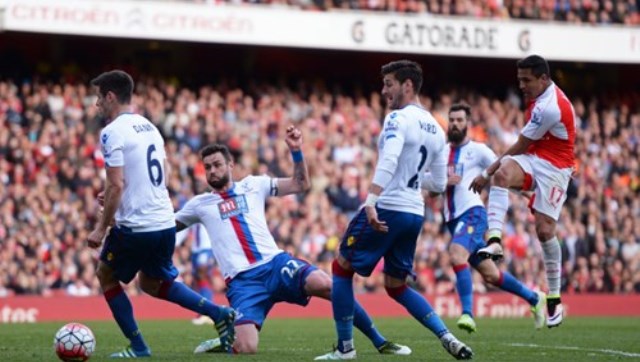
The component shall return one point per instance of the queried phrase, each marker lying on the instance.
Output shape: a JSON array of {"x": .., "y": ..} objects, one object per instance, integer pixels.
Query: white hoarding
[{"x": 349, "y": 30}]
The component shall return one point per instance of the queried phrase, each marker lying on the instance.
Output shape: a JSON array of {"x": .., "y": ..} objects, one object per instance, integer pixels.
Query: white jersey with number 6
[
  {"x": 418, "y": 144},
  {"x": 132, "y": 142}
]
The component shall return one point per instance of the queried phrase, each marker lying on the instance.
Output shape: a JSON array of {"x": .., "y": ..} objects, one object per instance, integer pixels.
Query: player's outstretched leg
[
  {"x": 507, "y": 282},
  {"x": 363, "y": 322},
  {"x": 182, "y": 295},
  {"x": 422, "y": 311}
]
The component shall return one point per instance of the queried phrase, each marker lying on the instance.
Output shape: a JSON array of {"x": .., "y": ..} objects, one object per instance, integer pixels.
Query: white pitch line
[{"x": 605, "y": 351}]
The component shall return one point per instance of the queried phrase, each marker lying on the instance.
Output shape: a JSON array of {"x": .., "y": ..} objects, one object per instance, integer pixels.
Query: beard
[
  {"x": 394, "y": 102},
  {"x": 455, "y": 135},
  {"x": 220, "y": 183}
]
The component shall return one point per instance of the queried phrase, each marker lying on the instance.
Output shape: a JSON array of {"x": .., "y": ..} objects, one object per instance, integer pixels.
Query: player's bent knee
[
  {"x": 458, "y": 258},
  {"x": 338, "y": 270},
  {"x": 395, "y": 292},
  {"x": 149, "y": 289},
  {"x": 491, "y": 277},
  {"x": 245, "y": 347},
  {"x": 105, "y": 275},
  {"x": 500, "y": 178},
  {"x": 545, "y": 231},
  {"x": 318, "y": 284}
]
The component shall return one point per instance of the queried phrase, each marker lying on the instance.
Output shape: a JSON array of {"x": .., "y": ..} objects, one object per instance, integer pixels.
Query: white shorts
[{"x": 551, "y": 183}]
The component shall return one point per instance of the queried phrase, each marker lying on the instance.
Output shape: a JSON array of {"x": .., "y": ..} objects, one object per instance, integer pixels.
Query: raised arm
[{"x": 300, "y": 181}]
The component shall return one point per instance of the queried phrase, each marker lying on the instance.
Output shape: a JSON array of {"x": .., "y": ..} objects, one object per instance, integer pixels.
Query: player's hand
[
  {"x": 94, "y": 240},
  {"x": 478, "y": 184},
  {"x": 293, "y": 138},
  {"x": 453, "y": 179},
  {"x": 372, "y": 218},
  {"x": 101, "y": 198}
]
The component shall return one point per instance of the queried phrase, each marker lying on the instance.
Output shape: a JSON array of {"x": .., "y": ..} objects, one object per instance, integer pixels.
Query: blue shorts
[
  {"x": 253, "y": 293},
  {"x": 363, "y": 247},
  {"x": 468, "y": 231},
  {"x": 127, "y": 253},
  {"x": 202, "y": 259}
]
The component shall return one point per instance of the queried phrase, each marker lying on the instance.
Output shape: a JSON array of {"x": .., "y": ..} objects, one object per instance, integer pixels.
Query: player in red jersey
[{"x": 542, "y": 161}]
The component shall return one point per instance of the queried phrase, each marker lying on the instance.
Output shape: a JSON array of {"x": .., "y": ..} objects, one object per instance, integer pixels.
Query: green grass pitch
[{"x": 578, "y": 339}]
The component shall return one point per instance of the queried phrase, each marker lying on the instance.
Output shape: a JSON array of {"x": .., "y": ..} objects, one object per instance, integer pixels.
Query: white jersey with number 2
[{"x": 414, "y": 139}]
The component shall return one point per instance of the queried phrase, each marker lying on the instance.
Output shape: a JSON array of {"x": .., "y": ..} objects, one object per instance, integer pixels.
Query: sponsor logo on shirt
[
  {"x": 391, "y": 126},
  {"x": 233, "y": 206},
  {"x": 536, "y": 117},
  {"x": 457, "y": 169}
]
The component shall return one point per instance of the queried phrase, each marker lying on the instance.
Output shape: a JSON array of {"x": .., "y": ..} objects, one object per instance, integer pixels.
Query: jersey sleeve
[
  {"x": 266, "y": 185},
  {"x": 112, "y": 147},
  {"x": 392, "y": 142},
  {"x": 487, "y": 156},
  {"x": 436, "y": 179},
  {"x": 540, "y": 122},
  {"x": 188, "y": 215}
]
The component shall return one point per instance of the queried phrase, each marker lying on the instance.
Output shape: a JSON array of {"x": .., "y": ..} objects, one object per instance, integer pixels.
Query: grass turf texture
[{"x": 578, "y": 339}]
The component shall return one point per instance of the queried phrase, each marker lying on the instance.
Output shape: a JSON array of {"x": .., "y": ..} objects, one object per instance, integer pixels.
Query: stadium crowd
[
  {"x": 573, "y": 11},
  {"x": 51, "y": 170}
]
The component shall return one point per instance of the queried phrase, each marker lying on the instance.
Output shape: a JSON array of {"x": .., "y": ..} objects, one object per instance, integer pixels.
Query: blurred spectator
[{"x": 574, "y": 11}]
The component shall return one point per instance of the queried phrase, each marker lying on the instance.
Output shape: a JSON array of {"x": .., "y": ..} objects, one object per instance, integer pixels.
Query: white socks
[
  {"x": 552, "y": 264},
  {"x": 497, "y": 208}
]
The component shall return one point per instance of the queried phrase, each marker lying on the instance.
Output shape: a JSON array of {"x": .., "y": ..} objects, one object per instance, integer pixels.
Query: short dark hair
[
  {"x": 403, "y": 70},
  {"x": 536, "y": 63},
  {"x": 461, "y": 106},
  {"x": 117, "y": 81},
  {"x": 215, "y": 148}
]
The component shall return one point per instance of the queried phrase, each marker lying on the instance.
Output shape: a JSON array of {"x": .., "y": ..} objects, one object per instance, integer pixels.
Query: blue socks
[
  {"x": 464, "y": 285},
  {"x": 343, "y": 311},
  {"x": 184, "y": 296},
  {"x": 363, "y": 322},
  {"x": 122, "y": 311},
  {"x": 512, "y": 285},
  {"x": 204, "y": 289},
  {"x": 419, "y": 308}
]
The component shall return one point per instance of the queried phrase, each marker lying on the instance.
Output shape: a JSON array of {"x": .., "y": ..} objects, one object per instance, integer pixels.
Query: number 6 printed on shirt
[{"x": 152, "y": 163}]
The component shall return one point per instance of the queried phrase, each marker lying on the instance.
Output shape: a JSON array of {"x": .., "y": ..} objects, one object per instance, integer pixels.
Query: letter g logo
[
  {"x": 524, "y": 42},
  {"x": 357, "y": 31}
]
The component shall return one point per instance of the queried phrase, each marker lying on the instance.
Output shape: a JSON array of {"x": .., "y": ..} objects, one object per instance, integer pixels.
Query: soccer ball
[{"x": 74, "y": 342}]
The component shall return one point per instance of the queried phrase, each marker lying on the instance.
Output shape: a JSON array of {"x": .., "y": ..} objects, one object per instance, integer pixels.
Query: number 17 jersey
[
  {"x": 132, "y": 142},
  {"x": 422, "y": 146}
]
